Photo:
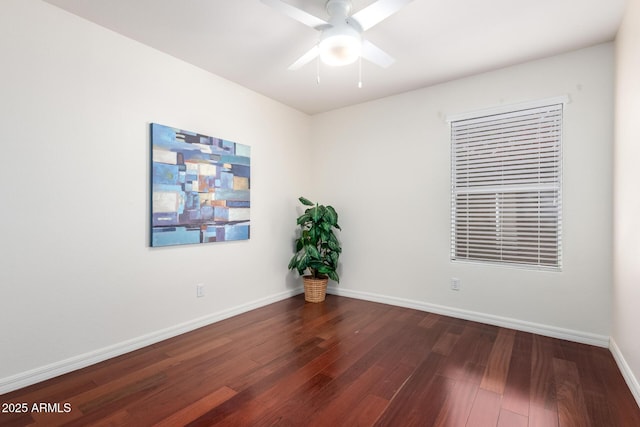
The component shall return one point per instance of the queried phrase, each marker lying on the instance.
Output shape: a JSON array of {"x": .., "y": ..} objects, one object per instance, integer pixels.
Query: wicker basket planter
[{"x": 314, "y": 289}]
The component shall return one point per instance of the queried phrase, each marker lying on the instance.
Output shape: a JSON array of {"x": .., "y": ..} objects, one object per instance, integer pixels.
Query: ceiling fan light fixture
[
  {"x": 341, "y": 39},
  {"x": 340, "y": 49}
]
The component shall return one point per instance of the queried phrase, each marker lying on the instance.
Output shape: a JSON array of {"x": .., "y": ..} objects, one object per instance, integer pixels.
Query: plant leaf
[
  {"x": 331, "y": 215},
  {"x": 333, "y": 256},
  {"x": 303, "y": 218},
  {"x": 315, "y": 214},
  {"x": 323, "y": 269},
  {"x": 305, "y": 202},
  {"x": 293, "y": 262},
  {"x": 333, "y": 276},
  {"x": 312, "y": 251},
  {"x": 317, "y": 265}
]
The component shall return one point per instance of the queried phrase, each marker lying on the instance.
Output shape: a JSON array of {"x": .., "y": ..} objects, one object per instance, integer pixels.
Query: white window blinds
[{"x": 506, "y": 187}]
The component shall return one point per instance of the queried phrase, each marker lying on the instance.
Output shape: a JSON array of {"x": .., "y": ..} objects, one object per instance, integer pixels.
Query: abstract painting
[{"x": 200, "y": 188}]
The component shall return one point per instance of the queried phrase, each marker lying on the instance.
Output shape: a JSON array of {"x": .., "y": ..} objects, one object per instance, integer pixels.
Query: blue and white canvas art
[{"x": 200, "y": 188}]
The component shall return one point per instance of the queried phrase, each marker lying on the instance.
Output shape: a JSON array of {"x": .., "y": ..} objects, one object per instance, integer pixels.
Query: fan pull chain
[
  {"x": 360, "y": 72},
  {"x": 318, "y": 70}
]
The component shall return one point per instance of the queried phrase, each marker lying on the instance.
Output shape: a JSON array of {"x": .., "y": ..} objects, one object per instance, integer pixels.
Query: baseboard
[
  {"x": 55, "y": 369},
  {"x": 627, "y": 373},
  {"x": 505, "y": 322}
]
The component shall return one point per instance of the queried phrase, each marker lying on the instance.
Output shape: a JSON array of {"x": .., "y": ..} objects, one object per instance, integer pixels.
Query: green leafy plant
[{"x": 317, "y": 249}]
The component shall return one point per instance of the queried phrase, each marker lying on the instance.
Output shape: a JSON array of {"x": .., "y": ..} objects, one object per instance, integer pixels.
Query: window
[{"x": 506, "y": 189}]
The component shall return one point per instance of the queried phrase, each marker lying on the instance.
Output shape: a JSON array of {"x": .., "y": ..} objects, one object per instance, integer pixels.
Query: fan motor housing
[{"x": 338, "y": 8}]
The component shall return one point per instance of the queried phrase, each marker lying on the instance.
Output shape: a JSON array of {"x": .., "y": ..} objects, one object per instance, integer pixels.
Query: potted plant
[{"x": 317, "y": 249}]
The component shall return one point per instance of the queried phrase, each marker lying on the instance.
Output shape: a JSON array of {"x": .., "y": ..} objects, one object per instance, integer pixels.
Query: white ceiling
[{"x": 433, "y": 41}]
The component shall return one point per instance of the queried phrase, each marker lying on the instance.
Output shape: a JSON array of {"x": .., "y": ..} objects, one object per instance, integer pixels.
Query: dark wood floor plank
[
  {"x": 511, "y": 419},
  {"x": 182, "y": 390},
  {"x": 415, "y": 345},
  {"x": 393, "y": 380},
  {"x": 342, "y": 362},
  {"x": 295, "y": 410},
  {"x": 419, "y": 400},
  {"x": 366, "y": 339},
  {"x": 305, "y": 381},
  {"x": 197, "y": 408},
  {"x": 118, "y": 418},
  {"x": 400, "y": 359},
  {"x": 517, "y": 389},
  {"x": 247, "y": 397},
  {"x": 357, "y": 361},
  {"x": 350, "y": 397},
  {"x": 469, "y": 356},
  {"x": 16, "y": 419},
  {"x": 457, "y": 406},
  {"x": 349, "y": 369},
  {"x": 495, "y": 374},
  {"x": 485, "y": 410},
  {"x": 445, "y": 343},
  {"x": 100, "y": 398},
  {"x": 543, "y": 407},
  {"x": 370, "y": 336},
  {"x": 572, "y": 410},
  {"x": 623, "y": 408},
  {"x": 111, "y": 407},
  {"x": 366, "y": 413},
  {"x": 593, "y": 386},
  {"x": 429, "y": 320}
]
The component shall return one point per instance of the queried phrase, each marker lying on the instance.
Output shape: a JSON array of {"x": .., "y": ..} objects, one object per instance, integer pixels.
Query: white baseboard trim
[
  {"x": 626, "y": 371},
  {"x": 55, "y": 369},
  {"x": 505, "y": 322}
]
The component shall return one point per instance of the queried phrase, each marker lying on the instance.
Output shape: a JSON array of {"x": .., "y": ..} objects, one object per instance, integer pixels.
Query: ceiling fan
[{"x": 341, "y": 41}]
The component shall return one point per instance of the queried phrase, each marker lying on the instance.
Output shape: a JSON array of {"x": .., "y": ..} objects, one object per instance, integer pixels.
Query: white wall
[
  {"x": 385, "y": 167},
  {"x": 626, "y": 289},
  {"x": 77, "y": 275}
]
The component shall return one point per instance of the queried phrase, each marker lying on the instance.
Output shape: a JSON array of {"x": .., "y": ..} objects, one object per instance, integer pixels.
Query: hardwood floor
[{"x": 343, "y": 362}]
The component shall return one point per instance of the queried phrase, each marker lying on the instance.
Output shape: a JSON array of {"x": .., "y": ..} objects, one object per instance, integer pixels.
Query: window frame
[{"x": 500, "y": 192}]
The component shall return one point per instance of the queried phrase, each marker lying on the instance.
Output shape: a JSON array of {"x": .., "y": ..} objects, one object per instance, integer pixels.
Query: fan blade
[
  {"x": 373, "y": 53},
  {"x": 295, "y": 13},
  {"x": 305, "y": 59},
  {"x": 377, "y": 12}
]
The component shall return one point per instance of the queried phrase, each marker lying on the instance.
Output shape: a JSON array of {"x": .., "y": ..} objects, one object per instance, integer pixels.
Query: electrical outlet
[
  {"x": 455, "y": 284},
  {"x": 199, "y": 290}
]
